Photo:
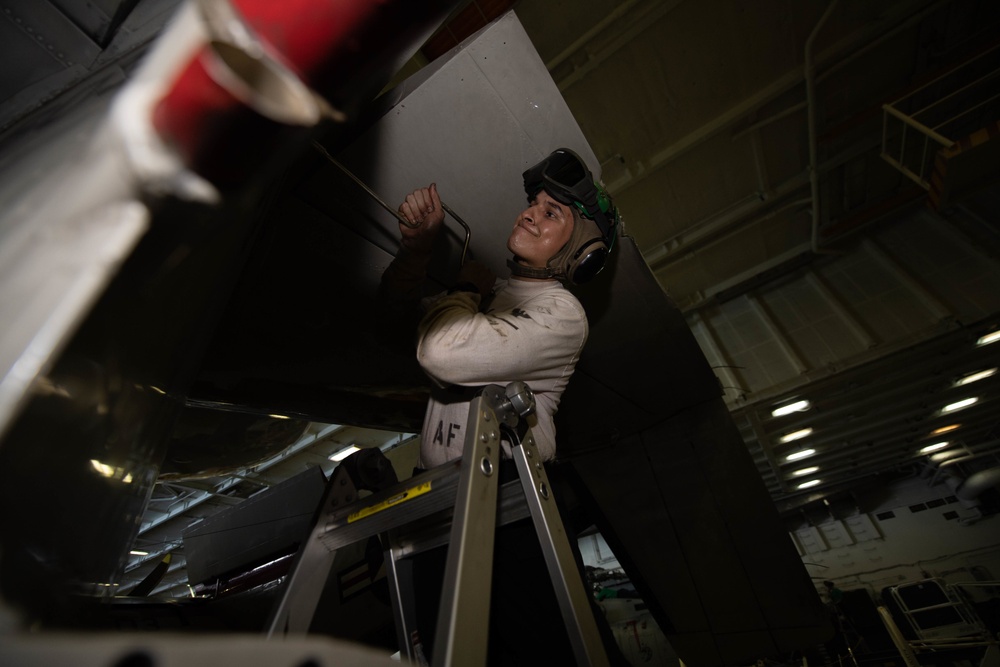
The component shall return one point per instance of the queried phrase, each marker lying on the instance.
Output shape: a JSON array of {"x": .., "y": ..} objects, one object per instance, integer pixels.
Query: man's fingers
[
  {"x": 406, "y": 210},
  {"x": 415, "y": 210},
  {"x": 425, "y": 199},
  {"x": 419, "y": 203},
  {"x": 434, "y": 197}
]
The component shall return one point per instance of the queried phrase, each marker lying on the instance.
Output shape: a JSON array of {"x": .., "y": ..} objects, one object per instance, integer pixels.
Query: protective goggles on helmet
[{"x": 567, "y": 180}]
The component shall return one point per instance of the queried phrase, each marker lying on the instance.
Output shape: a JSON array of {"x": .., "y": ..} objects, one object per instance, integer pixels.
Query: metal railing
[{"x": 949, "y": 105}]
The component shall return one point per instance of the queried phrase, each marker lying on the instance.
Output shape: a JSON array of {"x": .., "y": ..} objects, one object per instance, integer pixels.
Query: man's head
[
  {"x": 569, "y": 227},
  {"x": 541, "y": 230}
]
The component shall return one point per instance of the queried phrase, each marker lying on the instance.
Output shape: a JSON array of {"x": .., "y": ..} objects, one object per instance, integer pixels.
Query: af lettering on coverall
[{"x": 439, "y": 434}]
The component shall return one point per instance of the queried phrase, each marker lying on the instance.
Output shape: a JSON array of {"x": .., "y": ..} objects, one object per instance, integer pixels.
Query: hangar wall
[{"x": 919, "y": 530}]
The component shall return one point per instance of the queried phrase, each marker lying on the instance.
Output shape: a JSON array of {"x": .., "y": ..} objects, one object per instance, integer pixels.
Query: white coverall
[{"x": 531, "y": 331}]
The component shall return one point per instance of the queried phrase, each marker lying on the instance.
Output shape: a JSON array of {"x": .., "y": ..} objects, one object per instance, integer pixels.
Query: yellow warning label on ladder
[{"x": 390, "y": 502}]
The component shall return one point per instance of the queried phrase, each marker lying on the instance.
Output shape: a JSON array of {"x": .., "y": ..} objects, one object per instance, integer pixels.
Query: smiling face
[{"x": 540, "y": 231}]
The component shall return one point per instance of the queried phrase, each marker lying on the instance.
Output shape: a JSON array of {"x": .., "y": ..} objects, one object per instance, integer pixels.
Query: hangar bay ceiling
[{"x": 793, "y": 175}]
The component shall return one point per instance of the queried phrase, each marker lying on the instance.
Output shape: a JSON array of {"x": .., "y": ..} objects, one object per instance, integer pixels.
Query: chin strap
[{"x": 530, "y": 271}]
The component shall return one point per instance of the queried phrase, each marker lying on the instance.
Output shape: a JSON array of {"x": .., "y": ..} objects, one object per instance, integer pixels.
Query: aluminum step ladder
[{"x": 411, "y": 517}]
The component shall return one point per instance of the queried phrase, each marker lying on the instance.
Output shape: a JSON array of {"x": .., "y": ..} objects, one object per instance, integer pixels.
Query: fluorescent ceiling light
[
  {"x": 968, "y": 379},
  {"x": 959, "y": 405},
  {"x": 344, "y": 453},
  {"x": 801, "y": 454},
  {"x": 797, "y": 406},
  {"x": 989, "y": 338},
  {"x": 102, "y": 468},
  {"x": 795, "y": 435},
  {"x": 805, "y": 471},
  {"x": 136, "y": 552},
  {"x": 945, "y": 429},
  {"x": 112, "y": 472},
  {"x": 279, "y": 416},
  {"x": 810, "y": 483},
  {"x": 944, "y": 456},
  {"x": 933, "y": 448}
]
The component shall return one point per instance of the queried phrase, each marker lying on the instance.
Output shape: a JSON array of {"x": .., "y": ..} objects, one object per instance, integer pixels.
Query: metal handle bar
[{"x": 394, "y": 212}]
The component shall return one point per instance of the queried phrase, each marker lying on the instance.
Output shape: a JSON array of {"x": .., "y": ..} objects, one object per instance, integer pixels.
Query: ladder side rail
[
  {"x": 573, "y": 599},
  {"x": 302, "y": 591},
  {"x": 399, "y": 572},
  {"x": 462, "y": 631},
  {"x": 304, "y": 584}
]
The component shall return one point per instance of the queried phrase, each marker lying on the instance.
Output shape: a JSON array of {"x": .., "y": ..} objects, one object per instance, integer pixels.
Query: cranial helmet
[{"x": 565, "y": 177}]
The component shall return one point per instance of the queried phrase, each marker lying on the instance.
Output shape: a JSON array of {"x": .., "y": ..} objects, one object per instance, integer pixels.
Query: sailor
[{"x": 528, "y": 327}]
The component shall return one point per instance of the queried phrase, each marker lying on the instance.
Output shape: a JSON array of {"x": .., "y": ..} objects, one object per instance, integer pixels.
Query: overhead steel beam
[
  {"x": 835, "y": 67},
  {"x": 753, "y": 277},
  {"x": 596, "y": 30},
  {"x": 809, "y": 73},
  {"x": 717, "y": 225},
  {"x": 844, "y": 49},
  {"x": 646, "y": 17}
]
